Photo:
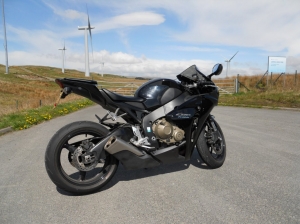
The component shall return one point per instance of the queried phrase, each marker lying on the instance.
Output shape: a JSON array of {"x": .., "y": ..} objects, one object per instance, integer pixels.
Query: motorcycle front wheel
[
  {"x": 211, "y": 144},
  {"x": 67, "y": 165}
]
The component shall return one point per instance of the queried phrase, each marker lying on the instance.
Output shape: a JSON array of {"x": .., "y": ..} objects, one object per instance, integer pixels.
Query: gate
[{"x": 226, "y": 86}]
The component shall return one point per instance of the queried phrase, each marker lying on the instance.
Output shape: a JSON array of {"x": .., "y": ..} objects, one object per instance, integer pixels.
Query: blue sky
[{"x": 157, "y": 38}]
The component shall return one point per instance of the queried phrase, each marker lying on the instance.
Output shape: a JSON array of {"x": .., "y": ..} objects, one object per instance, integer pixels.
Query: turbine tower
[
  {"x": 5, "y": 41},
  {"x": 63, "y": 58},
  {"x": 228, "y": 64},
  {"x": 102, "y": 63},
  {"x": 86, "y": 30}
]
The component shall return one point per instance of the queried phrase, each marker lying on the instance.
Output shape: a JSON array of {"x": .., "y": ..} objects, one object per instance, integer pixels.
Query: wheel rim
[
  {"x": 215, "y": 143},
  {"x": 66, "y": 156}
]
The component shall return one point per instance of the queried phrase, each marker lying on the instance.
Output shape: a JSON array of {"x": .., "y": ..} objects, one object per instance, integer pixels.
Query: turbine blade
[
  {"x": 89, "y": 25},
  {"x": 233, "y": 55},
  {"x": 90, "y": 32}
]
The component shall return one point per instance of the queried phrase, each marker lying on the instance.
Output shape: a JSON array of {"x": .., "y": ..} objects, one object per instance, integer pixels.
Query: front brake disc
[{"x": 83, "y": 164}]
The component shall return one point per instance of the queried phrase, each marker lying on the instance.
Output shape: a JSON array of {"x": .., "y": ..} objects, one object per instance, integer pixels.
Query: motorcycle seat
[{"x": 118, "y": 97}]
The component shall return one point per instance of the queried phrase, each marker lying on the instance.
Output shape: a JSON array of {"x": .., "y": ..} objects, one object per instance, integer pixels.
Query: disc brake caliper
[{"x": 214, "y": 139}]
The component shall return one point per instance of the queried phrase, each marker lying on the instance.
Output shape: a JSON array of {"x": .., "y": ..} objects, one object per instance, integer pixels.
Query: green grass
[
  {"x": 27, "y": 118},
  {"x": 272, "y": 99}
]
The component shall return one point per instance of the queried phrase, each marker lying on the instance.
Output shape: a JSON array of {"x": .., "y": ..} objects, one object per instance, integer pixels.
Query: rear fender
[{"x": 85, "y": 88}]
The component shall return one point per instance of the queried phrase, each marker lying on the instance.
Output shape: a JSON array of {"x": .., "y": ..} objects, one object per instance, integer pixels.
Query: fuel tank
[{"x": 158, "y": 92}]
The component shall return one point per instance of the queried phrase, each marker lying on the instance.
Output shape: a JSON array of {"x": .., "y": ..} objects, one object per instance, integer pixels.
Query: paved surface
[{"x": 259, "y": 182}]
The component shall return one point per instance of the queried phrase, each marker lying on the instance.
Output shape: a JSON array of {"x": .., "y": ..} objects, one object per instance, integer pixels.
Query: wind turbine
[
  {"x": 228, "y": 63},
  {"x": 63, "y": 58},
  {"x": 87, "y": 29},
  {"x": 102, "y": 63}
]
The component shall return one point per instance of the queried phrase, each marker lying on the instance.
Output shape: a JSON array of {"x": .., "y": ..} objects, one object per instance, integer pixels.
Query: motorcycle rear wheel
[
  {"x": 60, "y": 157},
  {"x": 213, "y": 154}
]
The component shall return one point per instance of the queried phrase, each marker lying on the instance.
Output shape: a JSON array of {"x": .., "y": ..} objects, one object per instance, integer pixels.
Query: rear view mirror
[{"x": 217, "y": 69}]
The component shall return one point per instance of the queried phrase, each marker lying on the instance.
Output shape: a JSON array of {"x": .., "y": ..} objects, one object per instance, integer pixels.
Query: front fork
[
  {"x": 193, "y": 133},
  {"x": 197, "y": 129}
]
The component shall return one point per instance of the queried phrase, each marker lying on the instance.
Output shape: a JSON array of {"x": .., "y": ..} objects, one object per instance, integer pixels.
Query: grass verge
[
  {"x": 27, "y": 118},
  {"x": 259, "y": 99}
]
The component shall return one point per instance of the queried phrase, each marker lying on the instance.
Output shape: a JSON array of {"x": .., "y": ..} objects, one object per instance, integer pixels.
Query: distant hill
[{"x": 29, "y": 86}]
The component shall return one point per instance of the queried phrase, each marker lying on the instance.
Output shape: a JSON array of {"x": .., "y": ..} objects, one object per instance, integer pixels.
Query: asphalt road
[{"x": 258, "y": 183}]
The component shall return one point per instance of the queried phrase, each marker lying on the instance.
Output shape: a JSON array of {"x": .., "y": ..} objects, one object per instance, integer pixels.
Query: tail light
[{"x": 59, "y": 82}]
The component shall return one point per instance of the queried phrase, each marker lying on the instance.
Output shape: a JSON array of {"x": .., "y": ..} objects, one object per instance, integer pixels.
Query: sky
[{"x": 157, "y": 38}]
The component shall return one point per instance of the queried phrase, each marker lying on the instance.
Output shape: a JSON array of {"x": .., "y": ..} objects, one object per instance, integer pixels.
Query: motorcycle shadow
[{"x": 127, "y": 175}]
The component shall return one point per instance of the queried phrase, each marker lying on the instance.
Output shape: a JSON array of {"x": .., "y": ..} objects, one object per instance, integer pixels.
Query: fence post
[
  {"x": 17, "y": 104},
  {"x": 237, "y": 84},
  {"x": 271, "y": 80},
  {"x": 296, "y": 78}
]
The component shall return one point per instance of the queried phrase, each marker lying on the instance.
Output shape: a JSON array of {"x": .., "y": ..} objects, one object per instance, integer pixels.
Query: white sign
[{"x": 277, "y": 65}]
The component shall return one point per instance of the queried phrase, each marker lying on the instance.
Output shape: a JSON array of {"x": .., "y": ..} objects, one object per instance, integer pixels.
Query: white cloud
[
  {"x": 30, "y": 58},
  {"x": 129, "y": 65},
  {"x": 117, "y": 58},
  {"x": 39, "y": 40},
  {"x": 73, "y": 14},
  {"x": 293, "y": 63},
  {"x": 130, "y": 20},
  {"x": 121, "y": 20},
  {"x": 114, "y": 63},
  {"x": 125, "y": 64},
  {"x": 266, "y": 24},
  {"x": 195, "y": 49},
  {"x": 67, "y": 13}
]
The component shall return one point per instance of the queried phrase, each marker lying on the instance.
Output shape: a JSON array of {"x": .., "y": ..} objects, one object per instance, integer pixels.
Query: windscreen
[{"x": 192, "y": 74}]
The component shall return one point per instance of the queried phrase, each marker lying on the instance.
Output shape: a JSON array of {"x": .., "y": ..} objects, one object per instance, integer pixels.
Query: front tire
[
  {"x": 211, "y": 144},
  {"x": 64, "y": 164}
]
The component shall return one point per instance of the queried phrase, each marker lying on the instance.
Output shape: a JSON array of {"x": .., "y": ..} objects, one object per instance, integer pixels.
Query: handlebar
[
  {"x": 199, "y": 84},
  {"x": 206, "y": 83}
]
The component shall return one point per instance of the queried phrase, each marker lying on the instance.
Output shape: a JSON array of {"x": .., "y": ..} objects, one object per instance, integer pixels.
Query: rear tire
[
  {"x": 59, "y": 159},
  {"x": 213, "y": 154}
]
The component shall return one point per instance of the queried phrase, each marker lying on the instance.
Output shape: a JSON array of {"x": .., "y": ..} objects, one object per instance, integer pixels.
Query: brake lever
[{"x": 194, "y": 85}]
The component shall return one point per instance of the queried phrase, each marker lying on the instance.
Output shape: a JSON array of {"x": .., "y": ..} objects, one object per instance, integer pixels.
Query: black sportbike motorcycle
[{"x": 165, "y": 120}]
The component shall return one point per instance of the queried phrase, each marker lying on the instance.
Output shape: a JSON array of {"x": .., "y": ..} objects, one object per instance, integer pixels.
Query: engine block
[{"x": 167, "y": 132}]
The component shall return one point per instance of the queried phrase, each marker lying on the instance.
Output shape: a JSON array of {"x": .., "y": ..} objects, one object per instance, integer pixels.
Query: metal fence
[
  {"x": 124, "y": 88},
  {"x": 226, "y": 86}
]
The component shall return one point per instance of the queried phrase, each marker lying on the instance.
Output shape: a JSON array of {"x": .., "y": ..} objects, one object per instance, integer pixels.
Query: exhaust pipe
[{"x": 115, "y": 145}]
